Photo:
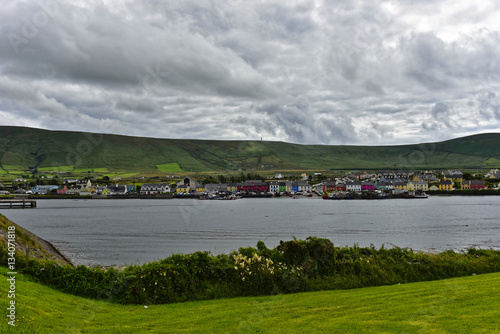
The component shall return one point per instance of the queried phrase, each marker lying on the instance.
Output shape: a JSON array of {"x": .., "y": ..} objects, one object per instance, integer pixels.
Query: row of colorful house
[
  {"x": 189, "y": 185},
  {"x": 357, "y": 186},
  {"x": 85, "y": 187},
  {"x": 391, "y": 181}
]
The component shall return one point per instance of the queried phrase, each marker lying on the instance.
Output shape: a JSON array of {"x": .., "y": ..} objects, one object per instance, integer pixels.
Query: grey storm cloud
[{"x": 311, "y": 72}]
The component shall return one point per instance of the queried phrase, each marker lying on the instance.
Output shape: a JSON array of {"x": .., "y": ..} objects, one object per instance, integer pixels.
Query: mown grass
[{"x": 462, "y": 305}]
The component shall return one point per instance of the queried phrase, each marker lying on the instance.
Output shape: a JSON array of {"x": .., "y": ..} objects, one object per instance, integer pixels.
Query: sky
[{"x": 309, "y": 72}]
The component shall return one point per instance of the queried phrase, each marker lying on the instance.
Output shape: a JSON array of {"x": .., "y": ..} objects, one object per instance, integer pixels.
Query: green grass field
[
  {"x": 56, "y": 169},
  {"x": 170, "y": 167},
  {"x": 462, "y": 305},
  {"x": 13, "y": 167}
]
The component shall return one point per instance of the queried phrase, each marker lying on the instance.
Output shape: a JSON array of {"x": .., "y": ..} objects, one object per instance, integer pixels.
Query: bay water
[{"x": 136, "y": 231}]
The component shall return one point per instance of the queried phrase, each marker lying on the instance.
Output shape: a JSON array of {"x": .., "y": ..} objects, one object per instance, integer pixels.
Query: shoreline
[{"x": 472, "y": 193}]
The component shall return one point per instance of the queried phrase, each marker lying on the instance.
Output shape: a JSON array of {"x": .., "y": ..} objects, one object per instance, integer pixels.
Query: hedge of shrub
[{"x": 292, "y": 266}]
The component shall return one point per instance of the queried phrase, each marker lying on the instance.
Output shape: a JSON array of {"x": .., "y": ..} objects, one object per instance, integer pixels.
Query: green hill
[{"x": 23, "y": 149}]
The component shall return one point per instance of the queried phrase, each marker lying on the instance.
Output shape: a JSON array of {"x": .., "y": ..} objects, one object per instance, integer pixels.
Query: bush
[{"x": 293, "y": 266}]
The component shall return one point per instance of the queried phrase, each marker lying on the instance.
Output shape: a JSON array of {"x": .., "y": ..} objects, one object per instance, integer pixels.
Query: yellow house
[
  {"x": 418, "y": 186},
  {"x": 400, "y": 185},
  {"x": 446, "y": 185},
  {"x": 232, "y": 187},
  {"x": 183, "y": 189},
  {"x": 200, "y": 187},
  {"x": 453, "y": 177},
  {"x": 433, "y": 188}
]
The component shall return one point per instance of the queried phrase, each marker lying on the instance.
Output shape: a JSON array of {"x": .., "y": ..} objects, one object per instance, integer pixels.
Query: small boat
[{"x": 422, "y": 195}]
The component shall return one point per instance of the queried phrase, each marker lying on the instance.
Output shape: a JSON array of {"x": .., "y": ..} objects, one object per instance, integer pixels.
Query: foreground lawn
[{"x": 462, "y": 305}]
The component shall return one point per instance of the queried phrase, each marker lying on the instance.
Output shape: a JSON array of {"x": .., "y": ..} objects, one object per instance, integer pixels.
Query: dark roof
[
  {"x": 353, "y": 183},
  {"x": 476, "y": 182},
  {"x": 117, "y": 188}
]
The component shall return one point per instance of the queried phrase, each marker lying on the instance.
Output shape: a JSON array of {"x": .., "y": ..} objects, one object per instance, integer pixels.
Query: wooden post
[{"x": 27, "y": 257}]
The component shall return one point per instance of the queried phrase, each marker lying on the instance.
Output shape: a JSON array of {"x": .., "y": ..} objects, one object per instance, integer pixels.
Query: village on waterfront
[{"x": 397, "y": 183}]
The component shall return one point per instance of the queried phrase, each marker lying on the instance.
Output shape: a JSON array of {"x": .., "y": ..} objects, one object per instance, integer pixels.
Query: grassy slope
[
  {"x": 463, "y": 305},
  {"x": 39, "y": 248},
  {"x": 27, "y": 147}
]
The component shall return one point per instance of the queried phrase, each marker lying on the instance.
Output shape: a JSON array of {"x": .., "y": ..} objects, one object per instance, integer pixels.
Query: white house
[
  {"x": 304, "y": 186},
  {"x": 155, "y": 188},
  {"x": 42, "y": 190},
  {"x": 353, "y": 186},
  {"x": 274, "y": 187}
]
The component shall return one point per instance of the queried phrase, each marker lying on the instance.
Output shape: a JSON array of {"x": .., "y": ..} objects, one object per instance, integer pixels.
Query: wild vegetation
[{"x": 293, "y": 266}]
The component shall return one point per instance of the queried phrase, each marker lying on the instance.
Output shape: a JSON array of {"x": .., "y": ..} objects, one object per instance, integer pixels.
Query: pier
[{"x": 17, "y": 203}]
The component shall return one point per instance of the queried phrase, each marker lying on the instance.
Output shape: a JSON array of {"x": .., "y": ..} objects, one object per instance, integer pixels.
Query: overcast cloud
[{"x": 309, "y": 72}]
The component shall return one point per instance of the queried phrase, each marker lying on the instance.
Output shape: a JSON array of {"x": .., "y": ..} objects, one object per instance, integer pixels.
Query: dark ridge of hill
[{"x": 29, "y": 148}]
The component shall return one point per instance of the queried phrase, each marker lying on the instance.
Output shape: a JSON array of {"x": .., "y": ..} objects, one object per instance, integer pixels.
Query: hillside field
[{"x": 26, "y": 150}]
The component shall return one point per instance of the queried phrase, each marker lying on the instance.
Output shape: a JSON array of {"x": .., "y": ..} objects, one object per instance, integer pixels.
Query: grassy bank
[
  {"x": 293, "y": 266},
  {"x": 39, "y": 249},
  {"x": 463, "y": 305}
]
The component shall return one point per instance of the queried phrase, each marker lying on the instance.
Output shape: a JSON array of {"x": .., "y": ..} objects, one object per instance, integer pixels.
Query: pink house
[
  {"x": 255, "y": 185},
  {"x": 367, "y": 186},
  {"x": 62, "y": 190}
]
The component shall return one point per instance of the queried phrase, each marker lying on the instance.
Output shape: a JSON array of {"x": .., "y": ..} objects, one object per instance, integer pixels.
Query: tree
[{"x": 468, "y": 176}]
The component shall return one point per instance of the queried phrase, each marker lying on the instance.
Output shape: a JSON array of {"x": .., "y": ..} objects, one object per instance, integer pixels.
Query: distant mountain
[{"x": 28, "y": 148}]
